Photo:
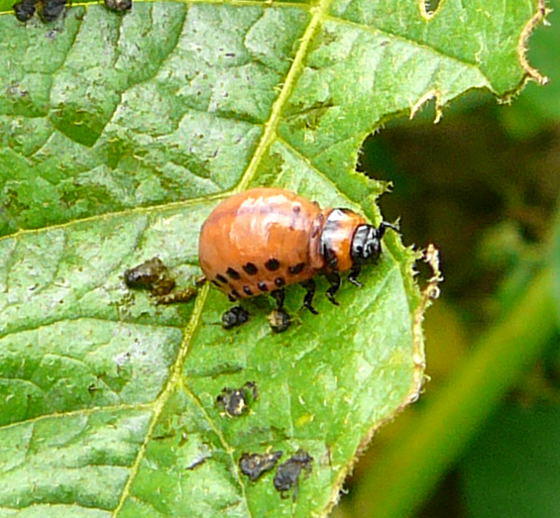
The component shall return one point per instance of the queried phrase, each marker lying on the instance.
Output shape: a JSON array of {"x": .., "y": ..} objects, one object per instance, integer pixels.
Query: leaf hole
[{"x": 429, "y": 7}]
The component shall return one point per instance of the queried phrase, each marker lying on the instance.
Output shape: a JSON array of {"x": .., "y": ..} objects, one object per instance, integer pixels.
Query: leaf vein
[
  {"x": 63, "y": 62},
  {"x": 410, "y": 41},
  {"x": 147, "y": 79},
  {"x": 119, "y": 213},
  {"x": 172, "y": 382},
  {"x": 228, "y": 448},
  {"x": 80, "y": 411},
  {"x": 312, "y": 166},
  {"x": 240, "y": 3},
  {"x": 266, "y": 140},
  {"x": 11, "y": 332},
  {"x": 294, "y": 71}
]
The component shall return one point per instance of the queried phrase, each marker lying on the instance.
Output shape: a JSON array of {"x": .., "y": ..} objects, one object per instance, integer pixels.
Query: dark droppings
[
  {"x": 288, "y": 473},
  {"x": 145, "y": 274},
  {"x": 152, "y": 275},
  {"x": 52, "y": 9},
  {"x": 183, "y": 295},
  {"x": 234, "y": 316},
  {"x": 279, "y": 320},
  {"x": 24, "y": 10},
  {"x": 254, "y": 465},
  {"x": 119, "y": 6},
  {"x": 236, "y": 402},
  {"x": 49, "y": 10}
]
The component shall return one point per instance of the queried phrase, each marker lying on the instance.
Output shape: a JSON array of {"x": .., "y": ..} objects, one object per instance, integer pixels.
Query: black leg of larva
[
  {"x": 279, "y": 296},
  {"x": 353, "y": 276},
  {"x": 308, "y": 299},
  {"x": 334, "y": 281},
  {"x": 234, "y": 317}
]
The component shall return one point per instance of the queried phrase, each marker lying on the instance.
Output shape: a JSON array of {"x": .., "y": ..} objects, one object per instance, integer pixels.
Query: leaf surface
[{"x": 118, "y": 135}]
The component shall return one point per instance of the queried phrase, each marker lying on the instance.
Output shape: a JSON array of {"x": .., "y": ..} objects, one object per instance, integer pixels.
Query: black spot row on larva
[
  {"x": 298, "y": 268},
  {"x": 250, "y": 268},
  {"x": 233, "y": 274},
  {"x": 272, "y": 264}
]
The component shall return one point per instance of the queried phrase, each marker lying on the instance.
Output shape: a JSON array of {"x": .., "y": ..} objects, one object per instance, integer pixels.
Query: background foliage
[{"x": 483, "y": 184}]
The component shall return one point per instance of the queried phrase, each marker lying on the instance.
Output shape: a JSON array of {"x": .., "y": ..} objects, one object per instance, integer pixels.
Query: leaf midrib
[
  {"x": 256, "y": 3},
  {"x": 175, "y": 379}
]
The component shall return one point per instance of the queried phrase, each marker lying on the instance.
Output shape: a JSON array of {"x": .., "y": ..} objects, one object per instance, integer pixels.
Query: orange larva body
[{"x": 263, "y": 239}]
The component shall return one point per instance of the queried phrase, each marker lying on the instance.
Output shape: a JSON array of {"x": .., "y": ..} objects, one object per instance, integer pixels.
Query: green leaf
[
  {"x": 420, "y": 453},
  {"x": 538, "y": 108},
  {"x": 119, "y": 134}
]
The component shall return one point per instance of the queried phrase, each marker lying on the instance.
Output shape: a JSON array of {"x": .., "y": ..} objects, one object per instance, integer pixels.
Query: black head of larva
[{"x": 366, "y": 243}]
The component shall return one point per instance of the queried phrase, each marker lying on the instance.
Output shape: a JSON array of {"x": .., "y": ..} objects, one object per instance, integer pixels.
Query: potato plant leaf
[{"x": 118, "y": 135}]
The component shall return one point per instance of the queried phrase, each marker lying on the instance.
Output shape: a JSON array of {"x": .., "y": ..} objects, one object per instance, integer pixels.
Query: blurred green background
[{"x": 484, "y": 186}]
